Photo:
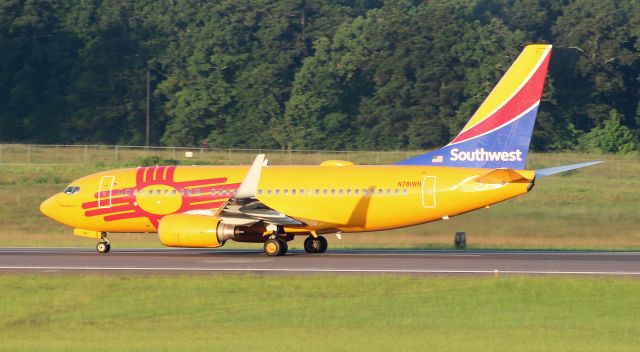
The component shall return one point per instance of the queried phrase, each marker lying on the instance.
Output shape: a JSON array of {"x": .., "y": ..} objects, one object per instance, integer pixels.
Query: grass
[
  {"x": 317, "y": 313},
  {"x": 595, "y": 208}
]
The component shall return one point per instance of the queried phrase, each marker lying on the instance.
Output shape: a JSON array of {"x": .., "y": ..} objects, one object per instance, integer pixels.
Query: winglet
[
  {"x": 249, "y": 185},
  {"x": 559, "y": 169}
]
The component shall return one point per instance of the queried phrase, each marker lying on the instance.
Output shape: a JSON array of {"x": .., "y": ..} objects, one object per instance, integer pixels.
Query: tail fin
[{"x": 499, "y": 132}]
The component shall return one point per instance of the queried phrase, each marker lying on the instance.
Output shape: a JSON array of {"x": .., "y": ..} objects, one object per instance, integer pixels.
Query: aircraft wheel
[
  {"x": 275, "y": 247},
  {"x": 315, "y": 244},
  {"x": 323, "y": 244},
  {"x": 103, "y": 247}
]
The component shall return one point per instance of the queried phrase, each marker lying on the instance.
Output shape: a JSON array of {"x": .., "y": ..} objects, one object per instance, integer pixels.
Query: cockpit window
[{"x": 71, "y": 190}]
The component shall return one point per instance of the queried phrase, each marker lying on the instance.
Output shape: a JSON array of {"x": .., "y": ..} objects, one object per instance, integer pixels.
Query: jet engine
[{"x": 196, "y": 231}]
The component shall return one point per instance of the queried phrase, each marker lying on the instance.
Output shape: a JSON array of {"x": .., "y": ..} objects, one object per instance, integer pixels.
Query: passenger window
[
  {"x": 135, "y": 192},
  {"x": 364, "y": 191},
  {"x": 259, "y": 192},
  {"x": 317, "y": 192},
  {"x": 174, "y": 192},
  {"x": 142, "y": 192},
  {"x": 128, "y": 192},
  {"x": 277, "y": 191},
  {"x": 285, "y": 191},
  {"x": 333, "y": 191},
  {"x": 166, "y": 192},
  {"x": 198, "y": 192},
  {"x": 324, "y": 191},
  {"x": 182, "y": 192},
  {"x": 189, "y": 192},
  {"x": 355, "y": 191},
  {"x": 395, "y": 192},
  {"x": 388, "y": 191},
  {"x": 379, "y": 190},
  {"x": 269, "y": 191},
  {"x": 404, "y": 192},
  {"x": 348, "y": 191},
  {"x": 293, "y": 192},
  {"x": 340, "y": 191}
]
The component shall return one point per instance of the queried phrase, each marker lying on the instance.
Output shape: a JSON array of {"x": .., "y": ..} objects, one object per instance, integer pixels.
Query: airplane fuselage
[{"x": 324, "y": 198}]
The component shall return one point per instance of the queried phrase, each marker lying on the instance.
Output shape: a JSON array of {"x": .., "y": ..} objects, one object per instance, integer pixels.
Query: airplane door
[
  {"x": 429, "y": 192},
  {"x": 105, "y": 190}
]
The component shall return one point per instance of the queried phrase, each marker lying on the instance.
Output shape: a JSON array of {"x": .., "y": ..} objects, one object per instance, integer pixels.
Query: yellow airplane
[{"x": 204, "y": 206}]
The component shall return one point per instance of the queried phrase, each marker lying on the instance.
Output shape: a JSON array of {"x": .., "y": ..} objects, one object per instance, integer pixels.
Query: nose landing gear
[{"x": 103, "y": 246}]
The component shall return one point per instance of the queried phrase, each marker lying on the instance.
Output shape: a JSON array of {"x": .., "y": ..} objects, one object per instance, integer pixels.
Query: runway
[{"x": 391, "y": 262}]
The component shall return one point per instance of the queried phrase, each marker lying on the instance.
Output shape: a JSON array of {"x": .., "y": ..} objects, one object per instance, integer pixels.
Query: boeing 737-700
[{"x": 205, "y": 206}]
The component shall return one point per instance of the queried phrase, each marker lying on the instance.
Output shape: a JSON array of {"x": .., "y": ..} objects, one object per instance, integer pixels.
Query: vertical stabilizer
[{"x": 499, "y": 132}]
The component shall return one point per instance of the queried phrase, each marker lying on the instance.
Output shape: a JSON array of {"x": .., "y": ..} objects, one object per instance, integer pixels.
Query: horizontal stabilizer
[
  {"x": 499, "y": 176},
  {"x": 559, "y": 169}
]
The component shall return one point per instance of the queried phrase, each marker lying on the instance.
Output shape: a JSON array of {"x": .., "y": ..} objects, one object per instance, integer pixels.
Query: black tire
[
  {"x": 275, "y": 247},
  {"x": 315, "y": 244},
  {"x": 103, "y": 247},
  {"x": 323, "y": 244},
  {"x": 310, "y": 244}
]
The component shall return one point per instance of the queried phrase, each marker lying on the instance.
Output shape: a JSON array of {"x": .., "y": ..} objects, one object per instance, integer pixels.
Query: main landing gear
[
  {"x": 315, "y": 244},
  {"x": 103, "y": 246},
  {"x": 275, "y": 247}
]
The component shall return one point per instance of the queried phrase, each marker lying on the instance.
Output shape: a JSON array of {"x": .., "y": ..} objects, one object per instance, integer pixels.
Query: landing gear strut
[
  {"x": 315, "y": 244},
  {"x": 103, "y": 246},
  {"x": 275, "y": 247}
]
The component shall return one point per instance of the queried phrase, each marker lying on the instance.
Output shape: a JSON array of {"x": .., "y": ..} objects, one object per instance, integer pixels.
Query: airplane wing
[
  {"x": 559, "y": 169},
  {"x": 245, "y": 209}
]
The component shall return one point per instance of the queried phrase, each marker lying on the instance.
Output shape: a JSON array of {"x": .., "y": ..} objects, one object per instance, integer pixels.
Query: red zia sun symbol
[{"x": 156, "y": 194}]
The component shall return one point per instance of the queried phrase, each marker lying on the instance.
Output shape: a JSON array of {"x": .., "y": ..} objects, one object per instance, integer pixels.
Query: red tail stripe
[{"x": 519, "y": 103}]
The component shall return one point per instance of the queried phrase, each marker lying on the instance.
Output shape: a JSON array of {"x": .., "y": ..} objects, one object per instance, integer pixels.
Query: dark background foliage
[{"x": 310, "y": 74}]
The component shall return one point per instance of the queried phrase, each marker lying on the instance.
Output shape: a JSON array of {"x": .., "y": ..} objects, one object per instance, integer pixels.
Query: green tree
[
  {"x": 34, "y": 67},
  {"x": 402, "y": 76},
  {"x": 611, "y": 137},
  {"x": 599, "y": 63}
]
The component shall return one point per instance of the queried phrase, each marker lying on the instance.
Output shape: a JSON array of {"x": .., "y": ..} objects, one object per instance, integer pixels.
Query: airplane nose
[{"x": 49, "y": 207}]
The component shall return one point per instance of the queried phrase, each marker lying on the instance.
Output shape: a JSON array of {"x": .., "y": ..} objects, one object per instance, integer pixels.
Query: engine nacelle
[{"x": 195, "y": 231}]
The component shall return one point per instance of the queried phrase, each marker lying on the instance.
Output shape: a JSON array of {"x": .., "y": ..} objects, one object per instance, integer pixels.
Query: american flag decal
[{"x": 437, "y": 159}]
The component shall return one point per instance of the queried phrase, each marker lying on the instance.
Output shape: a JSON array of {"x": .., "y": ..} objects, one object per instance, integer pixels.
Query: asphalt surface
[{"x": 393, "y": 262}]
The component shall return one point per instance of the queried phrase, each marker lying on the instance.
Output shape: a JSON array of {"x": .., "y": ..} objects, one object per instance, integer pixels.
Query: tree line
[{"x": 310, "y": 74}]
